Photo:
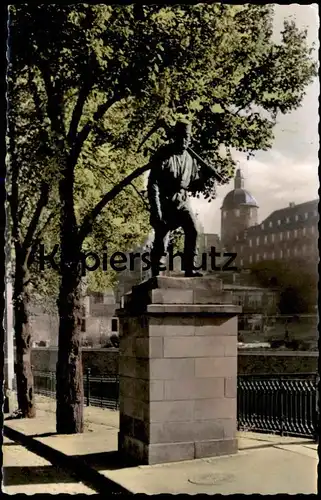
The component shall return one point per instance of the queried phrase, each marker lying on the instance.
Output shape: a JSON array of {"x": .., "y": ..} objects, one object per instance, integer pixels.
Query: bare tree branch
[
  {"x": 140, "y": 195},
  {"x": 91, "y": 216},
  {"x": 35, "y": 95},
  {"x": 78, "y": 109},
  {"x": 43, "y": 200},
  {"x": 54, "y": 99},
  {"x": 37, "y": 239},
  {"x": 85, "y": 131}
]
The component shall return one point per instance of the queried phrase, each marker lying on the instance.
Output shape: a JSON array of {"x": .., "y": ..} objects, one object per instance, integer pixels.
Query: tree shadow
[
  {"x": 40, "y": 474},
  {"x": 109, "y": 460},
  {"x": 43, "y": 435}
]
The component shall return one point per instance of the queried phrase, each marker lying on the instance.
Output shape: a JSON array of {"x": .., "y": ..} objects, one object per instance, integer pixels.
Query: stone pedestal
[{"x": 178, "y": 371}]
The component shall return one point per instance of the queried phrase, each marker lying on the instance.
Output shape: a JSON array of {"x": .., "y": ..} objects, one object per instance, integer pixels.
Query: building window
[
  {"x": 270, "y": 224},
  {"x": 264, "y": 255},
  {"x": 295, "y": 251},
  {"x": 296, "y": 217},
  {"x": 262, "y": 226},
  {"x": 272, "y": 237},
  {"x": 281, "y": 254},
  {"x": 258, "y": 240},
  {"x": 312, "y": 230},
  {"x": 83, "y": 325},
  {"x": 257, "y": 257},
  {"x": 237, "y": 237},
  {"x": 241, "y": 249},
  {"x": 295, "y": 233},
  {"x": 224, "y": 214},
  {"x": 281, "y": 236},
  {"x": 273, "y": 255},
  {"x": 237, "y": 212},
  {"x": 304, "y": 231},
  {"x": 287, "y": 219},
  {"x": 306, "y": 215},
  {"x": 250, "y": 243},
  {"x": 288, "y": 251},
  {"x": 279, "y": 222},
  {"x": 114, "y": 324},
  {"x": 288, "y": 235},
  {"x": 265, "y": 239},
  {"x": 250, "y": 259},
  {"x": 241, "y": 262}
]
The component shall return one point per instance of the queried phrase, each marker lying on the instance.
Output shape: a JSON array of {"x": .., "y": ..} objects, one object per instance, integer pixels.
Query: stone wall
[
  {"x": 268, "y": 363},
  {"x": 100, "y": 361},
  {"x": 105, "y": 361}
]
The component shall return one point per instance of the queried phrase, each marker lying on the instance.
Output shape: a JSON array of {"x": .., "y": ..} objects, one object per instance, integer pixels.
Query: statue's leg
[
  {"x": 159, "y": 247},
  {"x": 189, "y": 226}
]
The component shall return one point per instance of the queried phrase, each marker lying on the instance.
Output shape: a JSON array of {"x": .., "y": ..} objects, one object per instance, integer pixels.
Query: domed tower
[{"x": 238, "y": 211}]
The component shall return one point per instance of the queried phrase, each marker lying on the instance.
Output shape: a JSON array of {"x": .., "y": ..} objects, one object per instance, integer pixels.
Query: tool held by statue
[{"x": 161, "y": 123}]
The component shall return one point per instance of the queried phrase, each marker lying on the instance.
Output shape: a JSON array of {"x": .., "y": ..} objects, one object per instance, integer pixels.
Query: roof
[
  {"x": 238, "y": 197},
  {"x": 287, "y": 219}
]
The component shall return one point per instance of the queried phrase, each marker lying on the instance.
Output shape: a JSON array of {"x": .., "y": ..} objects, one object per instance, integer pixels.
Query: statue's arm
[{"x": 153, "y": 191}]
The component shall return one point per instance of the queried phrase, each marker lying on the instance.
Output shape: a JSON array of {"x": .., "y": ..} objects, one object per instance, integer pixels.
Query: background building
[
  {"x": 291, "y": 232},
  {"x": 239, "y": 211}
]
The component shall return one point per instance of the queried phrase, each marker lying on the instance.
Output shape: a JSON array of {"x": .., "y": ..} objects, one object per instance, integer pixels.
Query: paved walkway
[
  {"x": 25, "y": 472},
  {"x": 265, "y": 464}
]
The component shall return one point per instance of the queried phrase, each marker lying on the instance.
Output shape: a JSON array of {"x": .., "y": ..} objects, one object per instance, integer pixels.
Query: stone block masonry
[{"x": 178, "y": 371}]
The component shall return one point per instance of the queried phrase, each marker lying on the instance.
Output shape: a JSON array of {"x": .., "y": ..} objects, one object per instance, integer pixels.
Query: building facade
[{"x": 288, "y": 233}]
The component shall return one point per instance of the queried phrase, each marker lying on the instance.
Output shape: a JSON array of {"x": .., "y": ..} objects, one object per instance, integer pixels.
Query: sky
[{"x": 288, "y": 172}]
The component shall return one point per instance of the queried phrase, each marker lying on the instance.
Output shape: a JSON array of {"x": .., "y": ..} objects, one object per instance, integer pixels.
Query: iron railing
[
  {"x": 279, "y": 404},
  {"x": 102, "y": 391}
]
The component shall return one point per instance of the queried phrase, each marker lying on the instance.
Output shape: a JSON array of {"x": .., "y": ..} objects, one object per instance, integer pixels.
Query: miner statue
[{"x": 175, "y": 171}]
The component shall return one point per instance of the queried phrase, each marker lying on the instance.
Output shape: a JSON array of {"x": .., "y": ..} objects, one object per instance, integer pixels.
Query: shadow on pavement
[
  {"x": 44, "y": 435},
  {"x": 41, "y": 474},
  {"x": 109, "y": 460}
]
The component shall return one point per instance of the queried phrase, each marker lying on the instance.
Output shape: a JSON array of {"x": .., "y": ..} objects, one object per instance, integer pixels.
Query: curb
[{"x": 84, "y": 473}]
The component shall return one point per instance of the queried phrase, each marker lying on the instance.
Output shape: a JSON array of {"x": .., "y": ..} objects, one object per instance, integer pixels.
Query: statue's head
[{"x": 182, "y": 134}]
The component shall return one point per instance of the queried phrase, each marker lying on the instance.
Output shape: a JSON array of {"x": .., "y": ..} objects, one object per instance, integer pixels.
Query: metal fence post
[
  {"x": 281, "y": 407},
  {"x": 88, "y": 386}
]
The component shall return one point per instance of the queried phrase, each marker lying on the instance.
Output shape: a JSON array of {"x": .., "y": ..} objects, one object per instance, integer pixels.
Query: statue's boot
[
  {"x": 189, "y": 266},
  {"x": 193, "y": 274},
  {"x": 155, "y": 270}
]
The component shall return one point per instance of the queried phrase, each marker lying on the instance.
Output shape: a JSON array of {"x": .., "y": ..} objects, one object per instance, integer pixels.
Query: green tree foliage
[
  {"x": 32, "y": 207},
  {"x": 296, "y": 281},
  {"x": 105, "y": 74}
]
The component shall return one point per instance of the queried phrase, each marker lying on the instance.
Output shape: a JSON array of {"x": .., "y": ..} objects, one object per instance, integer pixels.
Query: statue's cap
[{"x": 182, "y": 126}]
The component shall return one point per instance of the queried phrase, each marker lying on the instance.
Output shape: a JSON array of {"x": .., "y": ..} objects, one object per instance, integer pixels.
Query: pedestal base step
[{"x": 137, "y": 452}]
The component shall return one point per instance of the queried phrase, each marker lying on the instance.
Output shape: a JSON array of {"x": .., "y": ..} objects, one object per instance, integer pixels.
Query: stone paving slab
[
  {"x": 265, "y": 464},
  {"x": 268, "y": 471},
  {"x": 244, "y": 473},
  {"x": 82, "y": 444},
  {"x": 25, "y": 472}
]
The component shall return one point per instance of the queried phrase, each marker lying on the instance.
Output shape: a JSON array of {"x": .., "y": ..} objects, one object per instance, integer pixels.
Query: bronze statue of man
[{"x": 172, "y": 175}]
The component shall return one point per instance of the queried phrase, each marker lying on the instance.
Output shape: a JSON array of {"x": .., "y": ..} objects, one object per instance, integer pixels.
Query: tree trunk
[
  {"x": 69, "y": 387},
  {"x": 24, "y": 376}
]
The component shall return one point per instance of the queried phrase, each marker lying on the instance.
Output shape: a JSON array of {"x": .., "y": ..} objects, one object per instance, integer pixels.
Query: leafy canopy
[{"x": 105, "y": 73}]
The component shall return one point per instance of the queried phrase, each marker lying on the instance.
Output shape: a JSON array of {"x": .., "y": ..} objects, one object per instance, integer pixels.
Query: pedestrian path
[
  {"x": 25, "y": 472},
  {"x": 265, "y": 464}
]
